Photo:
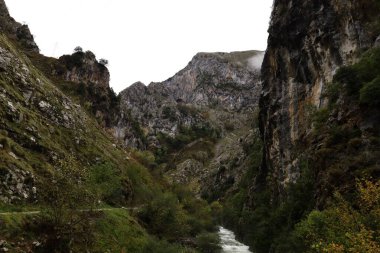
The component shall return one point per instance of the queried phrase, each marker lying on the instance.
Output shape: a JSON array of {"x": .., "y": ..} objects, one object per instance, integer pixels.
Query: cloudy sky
[{"x": 144, "y": 40}]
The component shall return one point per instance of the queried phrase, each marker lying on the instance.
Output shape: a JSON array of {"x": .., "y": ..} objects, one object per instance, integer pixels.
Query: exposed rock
[
  {"x": 14, "y": 29},
  {"x": 188, "y": 170},
  {"x": 377, "y": 42},
  {"x": 82, "y": 67},
  {"x": 16, "y": 185},
  {"x": 90, "y": 79},
  {"x": 36, "y": 244},
  {"x": 13, "y": 155},
  {"x": 229, "y": 164},
  {"x": 44, "y": 105},
  {"x": 216, "y": 92},
  {"x": 320, "y": 37},
  {"x": 208, "y": 91}
]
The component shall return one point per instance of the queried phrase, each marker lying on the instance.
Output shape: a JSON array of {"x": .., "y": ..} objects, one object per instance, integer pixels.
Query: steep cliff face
[
  {"x": 214, "y": 83},
  {"x": 89, "y": 78},
  {"x": 83, "y": 67},
  {"x": 308, "y": 42},
  {"x": 15, "y": 30},
  {"x": 319, "y": 122},
  {"x": 193, "y": 120}
]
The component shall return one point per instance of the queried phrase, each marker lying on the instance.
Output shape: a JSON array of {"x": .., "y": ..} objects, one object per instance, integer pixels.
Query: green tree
[{"x": 66, "y": 220}]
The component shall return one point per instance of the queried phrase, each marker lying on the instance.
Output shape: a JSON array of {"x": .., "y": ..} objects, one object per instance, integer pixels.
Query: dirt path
[{"x": 84, "y": 210}]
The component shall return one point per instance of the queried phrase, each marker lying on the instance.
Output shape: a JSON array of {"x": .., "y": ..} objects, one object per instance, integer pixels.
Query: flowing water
[{"x": 229, "y": 243}]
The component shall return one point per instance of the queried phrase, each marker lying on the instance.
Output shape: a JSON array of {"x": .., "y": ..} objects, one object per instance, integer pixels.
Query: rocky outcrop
[
  {"x": 15, "y": 30},
  {"x": 89, "y": 79},
  {"x": 83, "y": 67},
  {"x": 308, "y": 42}
]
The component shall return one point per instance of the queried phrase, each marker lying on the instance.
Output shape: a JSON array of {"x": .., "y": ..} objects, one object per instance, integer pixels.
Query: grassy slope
[
  {"x": 83, "y": 138},
  {"x": 42, "y": 137}
]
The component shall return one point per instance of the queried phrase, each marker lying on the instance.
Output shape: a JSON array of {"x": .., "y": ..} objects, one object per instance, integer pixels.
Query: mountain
[
  {"x": 198, "y": 120},
  {"x": 66, "y": 184},
  {"x": 40, "y": 124},
  {"x": 280, "y": 146}
]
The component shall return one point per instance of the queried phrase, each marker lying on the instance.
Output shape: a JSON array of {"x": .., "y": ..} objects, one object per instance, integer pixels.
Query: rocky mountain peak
[
  {"x": 137, "y": 87},
  {"x": 211, "y": 81},
  {"x": 251, "y": 60},
  {"x": 207, "y": 106}
]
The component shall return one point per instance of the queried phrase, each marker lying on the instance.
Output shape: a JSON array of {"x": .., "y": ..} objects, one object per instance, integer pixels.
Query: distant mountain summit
[
  {"x": 224, "y": 83},
  {"x": 197, "y": 120}
]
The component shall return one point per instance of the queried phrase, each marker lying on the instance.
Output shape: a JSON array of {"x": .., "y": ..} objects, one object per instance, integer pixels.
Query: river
[{"x": 229, "y": 243}]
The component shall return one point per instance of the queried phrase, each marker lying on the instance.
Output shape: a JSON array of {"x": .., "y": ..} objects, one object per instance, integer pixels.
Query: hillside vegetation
[{"x": 66, "y": 185}]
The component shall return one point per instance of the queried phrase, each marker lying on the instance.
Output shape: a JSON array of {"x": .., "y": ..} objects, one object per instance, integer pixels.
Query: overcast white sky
[{"x": 144, "y": 40}]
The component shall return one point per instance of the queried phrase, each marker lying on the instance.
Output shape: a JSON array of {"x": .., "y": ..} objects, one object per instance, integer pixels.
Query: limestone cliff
[
  {"x": 194, "y": 119},
  {"x": 211, "y": 82},
  {"x": 83, "y": 67},
  {"x": 319, "y": 122},
  {"x": 83, "y": 73},
  {"x": 15, "y": 30},
  {"x": 308, "y": 42}
]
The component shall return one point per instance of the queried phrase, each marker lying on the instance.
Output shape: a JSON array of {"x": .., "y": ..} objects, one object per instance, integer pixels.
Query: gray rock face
[
  {"x": 16, "y": 30},
  {"x": 83, "y": 67},
  {"x": 229, "y": 164},
  {"x": 212, "y": 88},
  {"x": 215, "y": 92},
  {"x": 308, "y": 41},
  {"x": 17, "y": 185}
]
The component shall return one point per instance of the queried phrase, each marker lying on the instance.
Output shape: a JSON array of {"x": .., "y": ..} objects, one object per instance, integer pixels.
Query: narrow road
[{"x": 84, "y": 210}]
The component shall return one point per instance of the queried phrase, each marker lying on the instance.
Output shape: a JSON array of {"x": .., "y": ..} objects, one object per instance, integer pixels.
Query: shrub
[
  {"x": 349, "y": 76},
  {"x": 363, "y": 73},
  {"x": 146, "y": 158},
  {"x": 164, "y": 217},
  {"x": 345, "y": 227},
  {"x": 208, "y": 242},
  {"x": 105, "y": 181},
  {"x": 103, "y": 62},
  {"x": 187, "y": 111},
  {"x": 66, "y": 219},
  {"x": 333, "y": 92},
  {"x": 169, "y": 113},
  {"x": 78, "y": 49},
  {"x": 370, "y": 93},
  {"x": 5, "y": 143},
  {"x": 165, "y": 247},
  {"x": 320, "y": 117}
]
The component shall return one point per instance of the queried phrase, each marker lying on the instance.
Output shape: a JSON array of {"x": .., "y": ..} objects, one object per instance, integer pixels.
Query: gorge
[{"x": 285, "y": 153}]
